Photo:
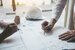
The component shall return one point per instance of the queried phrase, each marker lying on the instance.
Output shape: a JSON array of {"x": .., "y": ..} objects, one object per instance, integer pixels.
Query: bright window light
[{"x": 32, "y": 2}]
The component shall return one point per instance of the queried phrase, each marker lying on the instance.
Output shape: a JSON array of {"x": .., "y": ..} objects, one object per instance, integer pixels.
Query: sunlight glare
[{"x": 32, "y": 2}]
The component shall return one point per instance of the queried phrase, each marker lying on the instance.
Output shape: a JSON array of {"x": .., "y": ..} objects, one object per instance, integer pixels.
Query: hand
[
  {"x": 8, "y": 31},
  {"x": 12, "y": 28},
  {"x": 68, "y": 36},
  {"x": 46, "y": 26}
]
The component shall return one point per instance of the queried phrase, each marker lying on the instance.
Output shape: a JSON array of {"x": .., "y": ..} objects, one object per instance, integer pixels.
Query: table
[{"x": 31, "y": 36}]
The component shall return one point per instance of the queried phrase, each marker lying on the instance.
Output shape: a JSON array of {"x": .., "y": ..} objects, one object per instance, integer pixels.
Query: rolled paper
[
  {"x": 70, "y": 15},
  {"x": 66, "y": 13}
]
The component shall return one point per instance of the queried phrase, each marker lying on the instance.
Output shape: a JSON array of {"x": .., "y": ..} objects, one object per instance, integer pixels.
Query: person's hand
[
  {"x": 8, "y": 31},
  {"x": 68, "y": 36},
  {"x": 46, "y": 26},
  {"x": 12, "y": 27}
]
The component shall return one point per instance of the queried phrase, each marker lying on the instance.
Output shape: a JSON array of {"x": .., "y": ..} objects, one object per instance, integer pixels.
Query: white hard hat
[{"x": 34, "y": 13}]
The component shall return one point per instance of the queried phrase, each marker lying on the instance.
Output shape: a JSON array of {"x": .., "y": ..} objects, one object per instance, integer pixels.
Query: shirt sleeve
[{"x": 58, "y": 8}]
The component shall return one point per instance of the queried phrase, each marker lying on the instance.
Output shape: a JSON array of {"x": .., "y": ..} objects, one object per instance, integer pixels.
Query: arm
[
  {"x": 58, "y": 9},
  {"x": 56, "y": 14}
]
